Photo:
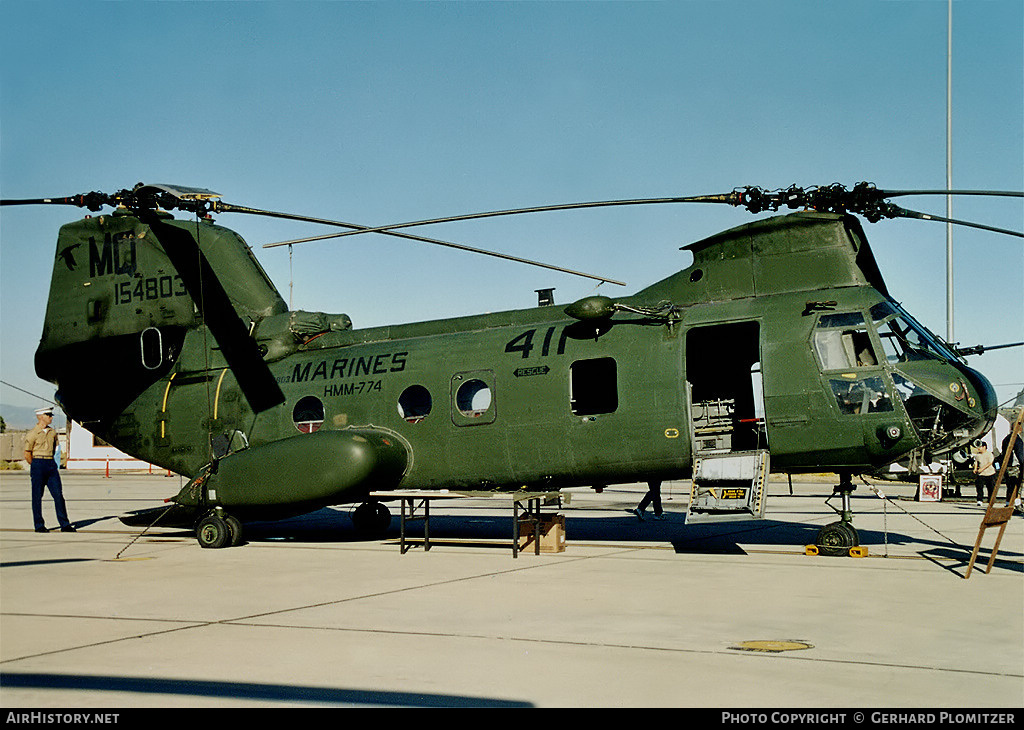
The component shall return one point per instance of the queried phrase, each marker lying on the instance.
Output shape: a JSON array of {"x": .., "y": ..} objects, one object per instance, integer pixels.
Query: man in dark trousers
[
  {"x": 653, "y": 497},
  {"x": 1011, "y": 458},
  {"x": 40, "y": 447}
]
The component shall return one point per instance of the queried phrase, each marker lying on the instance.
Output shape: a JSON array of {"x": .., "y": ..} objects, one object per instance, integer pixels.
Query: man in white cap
[{"x": 40, "y": 445}]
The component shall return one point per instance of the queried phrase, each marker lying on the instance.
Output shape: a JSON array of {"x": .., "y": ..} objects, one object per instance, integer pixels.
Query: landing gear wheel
[
  {"x": 371, "y": 518},
  {"x": 235, "y": 526},
  {"x": 837, "y": 538},
  {"x": 213, "y": 532}
]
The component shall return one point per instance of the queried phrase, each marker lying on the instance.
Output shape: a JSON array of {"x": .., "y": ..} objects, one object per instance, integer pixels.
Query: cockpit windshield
[{"x": 904, "y": 339}]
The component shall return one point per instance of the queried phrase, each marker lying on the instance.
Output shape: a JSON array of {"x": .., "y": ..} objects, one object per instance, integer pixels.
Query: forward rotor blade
[
  {"x": 864, "y": 199},
  {"x": 39, "y": 201},
  {"x": 980, "y": 349},
  {"x": 898, "y": 212},
  {"x": 355, "y": 228},
  {"x": 257, "y": 383},
  {"x": 996, "y": 193},
  {"x": 93, "y": 201}
]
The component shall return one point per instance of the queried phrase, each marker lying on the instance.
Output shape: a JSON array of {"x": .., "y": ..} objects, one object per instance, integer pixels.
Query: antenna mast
[{"x": 949, "y": 170}]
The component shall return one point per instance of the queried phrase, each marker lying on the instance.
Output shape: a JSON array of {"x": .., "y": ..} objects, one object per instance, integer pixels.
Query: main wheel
[
  {"x": 837, "y": 538},
  {"x": 372, "y": 518},
  {"x": 235, "y": 526},
  {"x": 213, "y": 532}
]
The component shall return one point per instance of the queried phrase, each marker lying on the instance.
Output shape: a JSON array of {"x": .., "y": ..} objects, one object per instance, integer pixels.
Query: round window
[
  {"x": 414, "y": 403},
  {"x": 473, "y": 398},
  {"x": 308, "y": 414}
]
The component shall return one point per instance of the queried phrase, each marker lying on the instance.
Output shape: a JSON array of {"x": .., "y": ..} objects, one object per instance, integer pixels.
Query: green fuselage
[{"x": 758, "y": 344}]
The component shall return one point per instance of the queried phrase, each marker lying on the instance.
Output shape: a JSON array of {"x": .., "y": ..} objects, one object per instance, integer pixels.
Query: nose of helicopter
[
  {"x": 949, "y": 403},
  {"x": 982, "y": 413}
]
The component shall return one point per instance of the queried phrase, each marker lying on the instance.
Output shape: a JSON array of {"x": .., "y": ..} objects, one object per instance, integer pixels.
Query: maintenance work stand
[{"x": 526, "y": 512}]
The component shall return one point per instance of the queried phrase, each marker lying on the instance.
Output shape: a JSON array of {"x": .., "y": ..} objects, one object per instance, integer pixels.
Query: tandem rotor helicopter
[{"x": 166, "y": 338}]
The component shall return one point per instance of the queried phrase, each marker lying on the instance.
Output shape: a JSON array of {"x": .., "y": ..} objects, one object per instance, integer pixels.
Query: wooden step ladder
[{"x": 999, "y": 516}]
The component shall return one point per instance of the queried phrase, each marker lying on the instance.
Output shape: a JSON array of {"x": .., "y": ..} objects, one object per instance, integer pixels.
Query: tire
[
  {"x": 836, "y": 539},
  {"x": 371, "y": 518},
  {"x": 213, "y": 532},
  {"x": 235, "y": 526}
]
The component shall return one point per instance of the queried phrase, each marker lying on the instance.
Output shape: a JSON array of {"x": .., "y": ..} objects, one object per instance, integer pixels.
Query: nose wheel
[{"x": 836, "y": 538}]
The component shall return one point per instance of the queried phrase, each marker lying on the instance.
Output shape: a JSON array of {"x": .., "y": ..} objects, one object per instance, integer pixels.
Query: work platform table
[{"x": 526, "y": 509}]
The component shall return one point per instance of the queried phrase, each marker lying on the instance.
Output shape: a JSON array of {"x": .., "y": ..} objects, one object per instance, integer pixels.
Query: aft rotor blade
[
  {"x": 729, "y": 198},
  {"x": 199, "y": 201},
  {"x": 355, "y": 228},
  {"x": 898, "y": 212}
]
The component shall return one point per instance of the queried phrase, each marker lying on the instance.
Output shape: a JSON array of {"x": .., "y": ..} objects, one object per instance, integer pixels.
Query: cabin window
[
  {"x": 473, "y": 401},
  {"x": 308, "y": 414},
  {"x": 151, "y": 346},
  {"x": 842, "y": 342},
  {"x": 861, "y": 395},
  {"x": 414, "y": 404},
  {"x": 473, "y": 398},
  {"x": 593, "y": 386}
]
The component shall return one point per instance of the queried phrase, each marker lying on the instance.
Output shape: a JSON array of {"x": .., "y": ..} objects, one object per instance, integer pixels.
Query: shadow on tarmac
[
  {"x": 334, "y": 526},
  {"x": 962, "y": 558},
  {"x": 245, "y": 691},
  {"x": 29, "y": 563}
]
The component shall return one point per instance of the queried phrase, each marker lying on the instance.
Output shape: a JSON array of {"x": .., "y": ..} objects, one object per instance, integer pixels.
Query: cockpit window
[
  {"x": 842, "y": 342},
  {"x": 861, "y": 395},
  {"x": 843, "y": 319},
  {"x": 903, "y": 338}
]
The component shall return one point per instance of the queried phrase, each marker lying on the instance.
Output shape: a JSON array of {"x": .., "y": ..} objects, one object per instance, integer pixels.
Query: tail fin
[{"x": 118, "y": 310}]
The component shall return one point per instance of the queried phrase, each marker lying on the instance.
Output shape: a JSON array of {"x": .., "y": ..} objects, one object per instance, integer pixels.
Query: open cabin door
[
  {"x": 726, "y": 405},
  {"x": 729, "y": 486}
]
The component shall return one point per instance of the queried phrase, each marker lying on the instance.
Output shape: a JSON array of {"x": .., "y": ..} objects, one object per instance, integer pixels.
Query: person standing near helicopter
[
  {"x": 40, "y": 448},
  {"x": 984, "y": 470},
  {"x": 652, "y": 498},
  {"x": 1016, "y": 455}
]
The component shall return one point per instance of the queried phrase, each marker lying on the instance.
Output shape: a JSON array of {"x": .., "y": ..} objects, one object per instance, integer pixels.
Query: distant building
[
  {"x": 85, "y": 450},
  {"x": 12, "y": 445}
]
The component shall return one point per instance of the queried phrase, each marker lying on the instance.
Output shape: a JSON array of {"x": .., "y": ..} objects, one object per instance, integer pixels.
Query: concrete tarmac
[{"x": 631, "y": 614}]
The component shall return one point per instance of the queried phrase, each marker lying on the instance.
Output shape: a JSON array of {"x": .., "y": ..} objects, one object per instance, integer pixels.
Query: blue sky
[{"x": 380, "y": 112}]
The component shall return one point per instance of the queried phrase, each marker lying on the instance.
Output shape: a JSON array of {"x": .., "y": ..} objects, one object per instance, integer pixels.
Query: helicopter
[{"x": 166, "y": 338}]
